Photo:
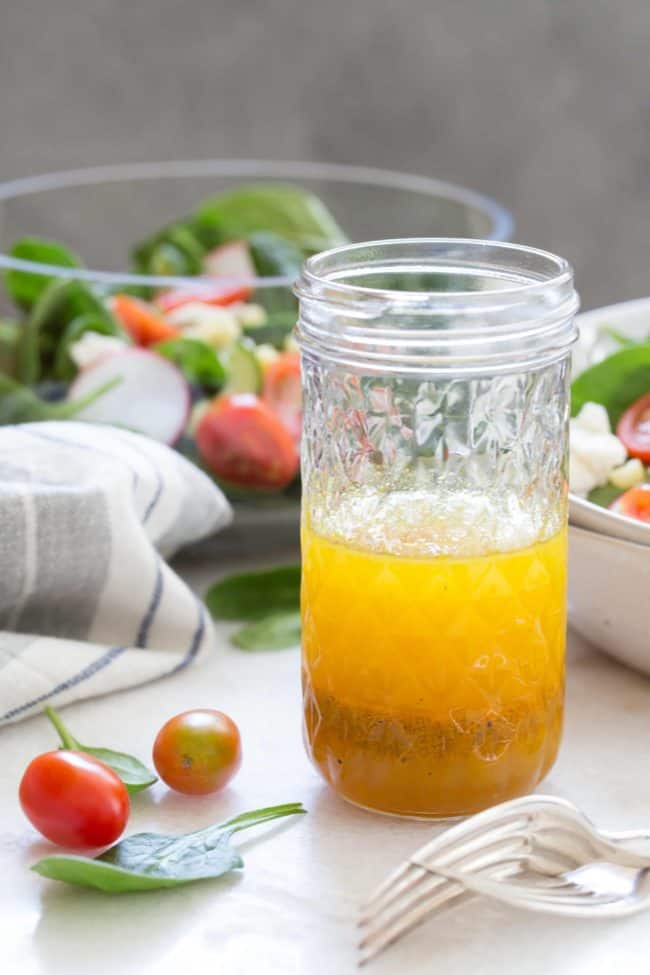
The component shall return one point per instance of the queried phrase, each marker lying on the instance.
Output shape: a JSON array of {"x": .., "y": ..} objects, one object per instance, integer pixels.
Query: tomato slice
[
  {"x": 634, "y": 429},
  {"x": 283, "y": 391},
  {"x": 207, "y": 294},
  {"x": 244, "y": 443},
  {"x": 635, "y": 503},
  {"x": 141, "y": 320}
]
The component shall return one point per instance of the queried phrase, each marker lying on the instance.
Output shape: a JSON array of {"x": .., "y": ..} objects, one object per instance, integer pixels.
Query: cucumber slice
[{"x": 242, "y": 368}]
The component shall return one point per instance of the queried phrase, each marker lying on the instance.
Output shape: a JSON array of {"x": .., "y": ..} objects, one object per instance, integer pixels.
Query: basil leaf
[
  {"x": 26, "y": 287},
  {"x": 616, "y": 382},
  {"x": 288, "y": 211},
  {"x": 276, "y": 632},
  {"x": 198, "y": 362},
  {"x": 253, "y": 595},
  {"x": 149, "y": 861},
  {"x": 131, "y": 770},
  {"x": 19, "y": 404}
]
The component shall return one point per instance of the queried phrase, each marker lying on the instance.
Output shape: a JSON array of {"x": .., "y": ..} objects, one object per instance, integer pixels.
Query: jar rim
[
  {"x": 315, "y": 271},
  {"x": 519, "y": 313}
]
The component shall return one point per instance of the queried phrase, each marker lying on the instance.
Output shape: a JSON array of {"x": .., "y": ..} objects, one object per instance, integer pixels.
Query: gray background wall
[{"x": 544, "y": 104}]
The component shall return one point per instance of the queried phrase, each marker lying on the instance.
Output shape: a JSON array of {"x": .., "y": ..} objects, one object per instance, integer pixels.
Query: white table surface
[{"x": 291, "y": 910}]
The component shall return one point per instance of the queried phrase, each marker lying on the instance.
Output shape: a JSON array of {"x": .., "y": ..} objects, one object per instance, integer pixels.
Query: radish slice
[
  {"x": 150, "y": 397},
  {"x": 231, "y": 260}
]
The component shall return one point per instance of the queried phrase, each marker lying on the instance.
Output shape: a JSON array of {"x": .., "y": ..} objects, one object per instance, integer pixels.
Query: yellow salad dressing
[{"x": 433, "y": 674}]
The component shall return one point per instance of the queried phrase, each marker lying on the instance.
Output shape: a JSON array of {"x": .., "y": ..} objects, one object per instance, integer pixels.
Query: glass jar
[{"x": 436, "y": 402}]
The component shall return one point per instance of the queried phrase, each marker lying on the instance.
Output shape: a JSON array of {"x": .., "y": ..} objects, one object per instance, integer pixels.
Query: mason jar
[{"x": 434, "y": 514}]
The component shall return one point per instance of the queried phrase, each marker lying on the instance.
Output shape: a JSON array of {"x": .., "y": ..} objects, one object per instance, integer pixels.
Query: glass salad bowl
[{"x": 154, "y": 295}]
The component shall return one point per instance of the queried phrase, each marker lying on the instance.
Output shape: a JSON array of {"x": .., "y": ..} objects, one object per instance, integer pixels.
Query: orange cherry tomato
[
  {"x": 634, "y": 429},
  {"x": 635, "y": 503},
  {"x": 74, "y": 799},
  {"x": 283, "y": 391},
  {"x": 209, "y": 294},
  {"x": 197, "y": 752},
  {"x": 244, "y": 443},
  {"x": 141, "y": 320}
]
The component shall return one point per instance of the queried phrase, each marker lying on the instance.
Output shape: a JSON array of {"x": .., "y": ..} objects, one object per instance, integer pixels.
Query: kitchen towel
[{"x": 87, "y": 603}]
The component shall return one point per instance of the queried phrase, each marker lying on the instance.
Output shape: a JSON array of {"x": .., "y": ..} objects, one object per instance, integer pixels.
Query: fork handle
[{"x": 634, "y": 841}]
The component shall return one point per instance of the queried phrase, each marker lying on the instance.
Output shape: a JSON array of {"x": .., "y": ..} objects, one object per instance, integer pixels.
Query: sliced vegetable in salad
[
  {"x": 173, "y": 363},
  {"x": 610, "y": 429}
]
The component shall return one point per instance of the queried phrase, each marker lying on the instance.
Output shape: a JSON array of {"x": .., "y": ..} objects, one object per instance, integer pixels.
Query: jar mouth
[{"x": 435, "y": 304}]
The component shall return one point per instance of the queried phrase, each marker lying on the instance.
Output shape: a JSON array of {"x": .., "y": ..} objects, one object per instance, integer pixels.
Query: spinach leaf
[
  {"x": 604, "y": 495},
  {"x": 278, "y": 631},
  {"x": 149, "y": 861},
  {"x": 64, "y": 368},
  {"x": 253, "y": 595},
  {"x": 174, "y": 250},
  {"x": 19, "y": 404},
  {"x": 199, "y": 362},
  {"x": 9, "y": 335},
  {"x": 273, "y": 256},
  {"x": 288, "y": 211},
  {"x": 132, "y": 772},
  {"x": 60, "y": 303},
  {"x": 26, "y": 287},
  {"x": 278, "y": 325},
  {"x": 616, "y": 382}
]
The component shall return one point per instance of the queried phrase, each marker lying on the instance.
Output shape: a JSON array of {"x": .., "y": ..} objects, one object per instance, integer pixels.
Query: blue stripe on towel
[
  {"x": 195, "y": 643},
  {"x": 78, "y": 678},
  {"x": 148, "y": 618},
  {"x": 158, "y": 476}
]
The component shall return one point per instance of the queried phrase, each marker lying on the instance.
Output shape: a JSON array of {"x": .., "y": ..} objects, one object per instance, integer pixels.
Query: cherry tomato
[
  {"x": 208, "y": 294},
  {"x": 197, "y": 752},
  {"x": 634, "y": 429},
  {"x": 635, "y": 503},
  {"x": 143, "y": 323},
  {"x": 283, "y": 391},
  {"x": 74, "y": 799},
  {"x": 245, "y": 444}
]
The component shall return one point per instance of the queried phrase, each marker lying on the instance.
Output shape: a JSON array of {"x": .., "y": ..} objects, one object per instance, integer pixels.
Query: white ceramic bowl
[{"x": 609, "y": 579}]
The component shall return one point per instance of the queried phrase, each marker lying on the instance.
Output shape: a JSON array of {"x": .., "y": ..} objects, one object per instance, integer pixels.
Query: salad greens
[
  {"x": 295, "y": 220},
  {"x": 289, "y": 212},
  {"x": 278, "y": 631},
  {"x": 621, "y": 384},
  {"x": 25, "y": 288},
  {"x": 616, "y": 382},
  {"x": 199, "y": 363},
  {"x": 60, "y": 303},
  {"x": 64, "y": 367},
  {"x": 132, "y": 772},
  {"x": 221, "y": 337},
  {"x": 20, "y": 404},
  {"x": 269, "y": 600},
  {"x": 150, "y": 861},
  {"x": 253, "y": 595}
]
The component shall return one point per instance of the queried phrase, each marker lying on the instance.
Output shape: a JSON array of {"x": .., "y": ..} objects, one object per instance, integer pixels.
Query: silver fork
[
  {"x": 537, "y": 835},
  {"x": 599, "y": 890}
]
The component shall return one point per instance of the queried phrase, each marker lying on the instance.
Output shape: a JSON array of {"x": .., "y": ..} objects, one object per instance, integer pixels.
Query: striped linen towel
[{"x": 87, "y": 604}]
